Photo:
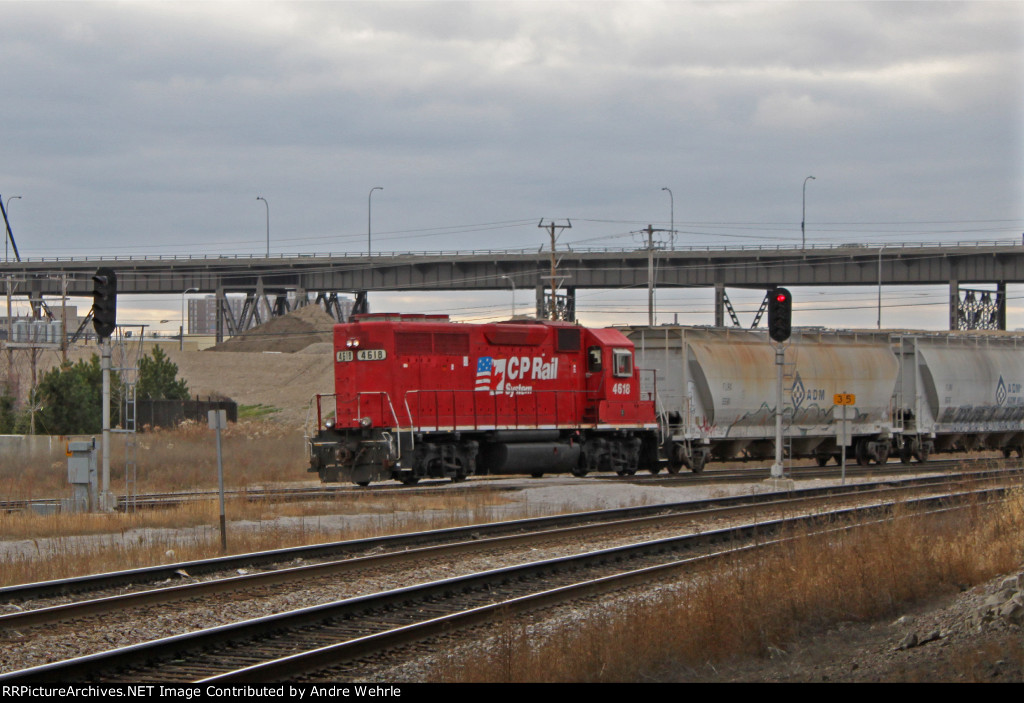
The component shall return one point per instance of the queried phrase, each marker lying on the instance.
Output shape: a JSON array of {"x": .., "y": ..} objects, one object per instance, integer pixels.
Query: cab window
[
  {"x": 593, "y": 359},
  {"x": 622, "y": 360}
]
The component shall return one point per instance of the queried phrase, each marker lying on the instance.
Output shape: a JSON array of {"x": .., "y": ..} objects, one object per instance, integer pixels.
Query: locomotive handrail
[
  {"x": 394, "y": 415},
  {"x": 477, "y": 418}
]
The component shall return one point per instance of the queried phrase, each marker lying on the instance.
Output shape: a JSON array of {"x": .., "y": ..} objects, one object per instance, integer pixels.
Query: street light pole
[
  {"x": 803, "y": 216},
  {"x": 265, "y": 203},
  {"x": 509, "y": 279},
  {"x": 672, "y": 225},
  {"x": 369, "y": 214},
  {"x": 879, "y": 323},
  {"x": 181, "y": 329}
]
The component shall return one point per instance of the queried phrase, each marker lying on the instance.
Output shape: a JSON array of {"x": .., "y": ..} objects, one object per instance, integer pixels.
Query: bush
[
  {"x": 158, "y": 378},
  {"x": 70, "y": 399}
]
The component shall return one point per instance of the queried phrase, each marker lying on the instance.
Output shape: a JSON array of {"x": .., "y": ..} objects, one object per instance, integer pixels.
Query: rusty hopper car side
[
  {"x": 716, "y": 392},
  {"x": 960, "y": 392}
]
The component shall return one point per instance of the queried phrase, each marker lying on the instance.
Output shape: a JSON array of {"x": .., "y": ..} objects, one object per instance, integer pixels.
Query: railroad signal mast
[
  {"x": 780, "y": 327},
  {"x": 104, "y": 320}
]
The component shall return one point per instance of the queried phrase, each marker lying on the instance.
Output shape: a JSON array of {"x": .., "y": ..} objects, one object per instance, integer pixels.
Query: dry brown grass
[
  {"x": 185, "y": 458},
  {"x": 749, "y": 604},
  {"x": 68, "y": 544}
]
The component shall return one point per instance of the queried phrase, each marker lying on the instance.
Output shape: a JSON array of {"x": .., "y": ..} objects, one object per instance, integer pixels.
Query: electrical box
[{"x": 82, "y": 462}]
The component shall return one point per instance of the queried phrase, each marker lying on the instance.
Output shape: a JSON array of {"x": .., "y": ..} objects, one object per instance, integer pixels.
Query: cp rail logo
[{"x": 499, "y": 376}]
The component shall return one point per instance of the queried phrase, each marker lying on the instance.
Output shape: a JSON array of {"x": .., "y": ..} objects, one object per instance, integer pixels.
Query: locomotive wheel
[
  {"x": 580, "y": 471},
  {"x": 673, "y": 468},
  {"x": 654, "y": 469}
]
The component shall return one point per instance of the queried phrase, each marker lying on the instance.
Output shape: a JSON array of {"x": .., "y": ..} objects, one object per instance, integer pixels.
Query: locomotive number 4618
[{"x": 363, "y": 355}]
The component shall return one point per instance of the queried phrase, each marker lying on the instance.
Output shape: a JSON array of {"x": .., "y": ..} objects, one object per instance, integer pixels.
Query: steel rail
[
  {"x": 474, "y": 533},
  {"x": 165, "y": 500},
  {"x": 152, "y": 574},
  {"x": 195, "y": 653},
  {"x": 123, "y": 601}
]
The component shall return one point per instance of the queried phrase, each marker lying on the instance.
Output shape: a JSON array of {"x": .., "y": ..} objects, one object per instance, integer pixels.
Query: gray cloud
[{"x": 152, "y": 127}]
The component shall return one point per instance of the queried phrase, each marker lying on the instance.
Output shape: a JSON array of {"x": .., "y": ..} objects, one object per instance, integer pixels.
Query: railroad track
[
  {"x": 446, "y": 603},
  {"x": 336, "y": 636},
  {"x": 151, "y": 501},
  {"x": 470, "y": 535}
]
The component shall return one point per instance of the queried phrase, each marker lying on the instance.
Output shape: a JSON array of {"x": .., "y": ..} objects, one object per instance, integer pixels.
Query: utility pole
[
  {"x": 64, "y": 318},
  {"x": 650, "y": 272},
  {"x": 10, "y": 337},
  {"x": 554, "y": 264}
]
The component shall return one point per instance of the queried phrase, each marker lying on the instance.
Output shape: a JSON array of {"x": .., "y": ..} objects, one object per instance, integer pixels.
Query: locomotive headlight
[
  {"x": 352, "y": 343},
  {"x": 365, "y": 422},
  {"x": 329, "y": 424}
]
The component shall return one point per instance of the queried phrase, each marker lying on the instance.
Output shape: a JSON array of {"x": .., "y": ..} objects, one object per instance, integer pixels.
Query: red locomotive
[{"x": 418, "y": 396}]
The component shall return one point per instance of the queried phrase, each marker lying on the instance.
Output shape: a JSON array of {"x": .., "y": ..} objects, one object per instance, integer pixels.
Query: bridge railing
[{"x": 893, "y": 247}]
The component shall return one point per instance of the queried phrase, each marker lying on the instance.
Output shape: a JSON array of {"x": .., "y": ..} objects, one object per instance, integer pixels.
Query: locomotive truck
[{"x": 418, "y": 396}]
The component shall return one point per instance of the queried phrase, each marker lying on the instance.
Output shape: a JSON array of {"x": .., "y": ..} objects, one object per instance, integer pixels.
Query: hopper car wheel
[
  {"x": 676, "y": 457},
  {"x": 654, "y": 469},
  {"x": 883, "y": 454},
  {"x": 822, "y": 459},
  {"x": 458, "y": 478},
  {"x": 537, "y": 474},
  {"x": 697, "y": 462},
  {"x": 410, "y": 480},
  {"x": 580, "y": 471},
  {"x": 922, "y": 456},
  {"x": 862, "y": 453},
  {"x": 906, "y": 454},
  {"x": 364, "y": 484}
]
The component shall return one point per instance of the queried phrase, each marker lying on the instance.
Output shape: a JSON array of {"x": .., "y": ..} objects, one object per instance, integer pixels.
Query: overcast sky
[{"x": 151, "y": 128}]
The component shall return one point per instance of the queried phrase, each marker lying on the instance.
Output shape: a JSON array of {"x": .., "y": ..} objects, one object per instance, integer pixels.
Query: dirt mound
[{"x": 288, "y": 334}]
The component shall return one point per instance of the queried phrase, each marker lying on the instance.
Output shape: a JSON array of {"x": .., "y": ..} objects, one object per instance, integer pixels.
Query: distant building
[{"x": 202, "y": 313}]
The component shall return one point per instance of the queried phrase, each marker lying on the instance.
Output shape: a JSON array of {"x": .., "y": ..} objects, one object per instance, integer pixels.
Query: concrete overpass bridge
[{"x": 276, "y": 284}]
